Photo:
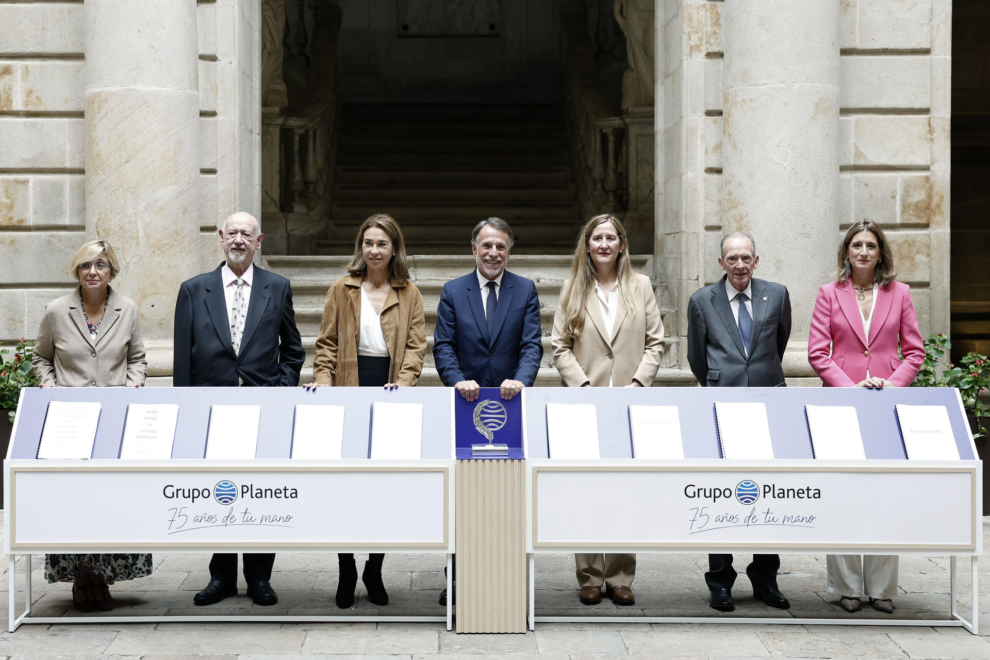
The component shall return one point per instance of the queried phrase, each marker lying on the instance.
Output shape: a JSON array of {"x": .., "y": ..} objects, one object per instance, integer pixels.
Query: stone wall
[
  {"x": 893, "y": 146},
  {"x": 43, "y": 131}
]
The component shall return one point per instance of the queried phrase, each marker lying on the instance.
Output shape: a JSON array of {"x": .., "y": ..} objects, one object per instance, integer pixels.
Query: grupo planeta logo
[
  {"x": 225, "y": 492},
  {"x": 747, "y": 492}
]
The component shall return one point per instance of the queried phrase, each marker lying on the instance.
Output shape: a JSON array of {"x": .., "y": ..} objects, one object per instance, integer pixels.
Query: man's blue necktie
[
  {"x": 490, "y": 308},
  {"x": 745, "y": 321}
]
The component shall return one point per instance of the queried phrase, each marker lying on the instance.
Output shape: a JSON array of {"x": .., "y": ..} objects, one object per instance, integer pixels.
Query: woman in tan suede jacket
[{"x": 373, "y": 334}]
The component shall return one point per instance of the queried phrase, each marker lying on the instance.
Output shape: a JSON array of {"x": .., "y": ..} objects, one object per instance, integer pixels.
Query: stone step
[
  {"x": 454, "y": 214},
  {"x": 450, "y": 246},
  {"x": 388, "y": 113},
  {"x": 523, "y": 128},
  {"x": 309, "y": 343},
  {"x": 520, "y": 161},
  {"x": 547, "y": 377},
  {"x": 454, "y": 144},
  {"x": 539, "y": 268},
  {"x": 466, "y": 194},
  {"x": 478, "y": 179}
]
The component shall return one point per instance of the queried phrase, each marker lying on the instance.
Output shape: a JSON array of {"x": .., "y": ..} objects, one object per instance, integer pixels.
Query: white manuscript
[
  {"x": 927, "y": 433},
  {"x": 656, "y": 432},
  {"x": 396, "y": 430},
  {"x": 149, "y": 431},
  {"x": 233, "y": 432},
  {"x": 318, "y": 432},
  {"x": 743, "y": 430},
  {"x": 70, "y": 430},
  {"x": 835, "y": 433},
  {"x": 572, "y": 430}
]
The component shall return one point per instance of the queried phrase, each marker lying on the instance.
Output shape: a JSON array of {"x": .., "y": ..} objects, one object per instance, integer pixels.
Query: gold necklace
[{"x": 862, "y": 292}]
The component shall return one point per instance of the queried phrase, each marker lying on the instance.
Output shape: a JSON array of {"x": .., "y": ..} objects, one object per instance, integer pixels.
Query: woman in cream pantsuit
[
  {"x": 607, "y": 332},
  {"x": 858, "y": 324}
]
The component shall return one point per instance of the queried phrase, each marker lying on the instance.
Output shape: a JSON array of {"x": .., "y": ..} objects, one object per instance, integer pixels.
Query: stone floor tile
[
  {"x": 327, "y": 582},
  {"x": 423, "y": 638},
  {"x": 435, "y": 580},
  {"x": 321, "y": 656},
  {"x": 587, "y": 642},
  {"x": 185, "y": 657},
  {"x": 473, "y": 656},
  {"x": 707, "y": 641},
  {"x": 286, "y": 580},
  {"x": 315, "y": 625},
  {"x": 828, "y": 641},
  {"x": 231, "y": 639},
  {"x": 40, "y": 642},
  {"x": 961, "y": 645},
  {"x": 157, "y": 581},
  {"x": 481, "y": 644}
]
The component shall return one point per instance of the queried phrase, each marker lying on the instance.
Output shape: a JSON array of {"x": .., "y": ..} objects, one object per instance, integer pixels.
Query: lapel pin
[{"x": 764, "y": 298}]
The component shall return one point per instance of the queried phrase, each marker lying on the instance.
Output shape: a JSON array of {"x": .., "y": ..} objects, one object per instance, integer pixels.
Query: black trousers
[
  {"x": 257, "y": 567},
  {"x": 372, "y": 372},
  {"x": 762, "y": 572}
]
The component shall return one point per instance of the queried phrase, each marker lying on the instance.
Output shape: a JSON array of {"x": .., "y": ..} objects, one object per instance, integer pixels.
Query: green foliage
[
  {"x": 16, "y": 372},
  {"x": 971, "y": 376}
]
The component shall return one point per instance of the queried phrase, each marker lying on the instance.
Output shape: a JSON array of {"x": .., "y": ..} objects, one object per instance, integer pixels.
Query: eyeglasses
[{"x": 99, "y": 266}]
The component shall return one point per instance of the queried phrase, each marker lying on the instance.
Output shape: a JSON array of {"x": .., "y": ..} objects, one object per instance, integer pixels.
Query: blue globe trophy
[{"x": 489, "y": 416}]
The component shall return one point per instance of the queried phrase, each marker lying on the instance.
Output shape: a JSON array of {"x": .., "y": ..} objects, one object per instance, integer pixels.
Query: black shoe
[
  {"x": 214, "y": 592},
  {"x": 770, "y": 595},
  {"x": 262, "y": 593},
  {"x": 346, "y": 585},
  {"x": 443, "y": 597},
  {"x": 372, "y": 579},
  {"x": 722, "y": 600}
]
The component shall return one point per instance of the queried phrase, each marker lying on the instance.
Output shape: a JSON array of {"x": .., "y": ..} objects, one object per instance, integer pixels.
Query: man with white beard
[
  {"x": 235, "y": 326},
  {"x": 488, "y": 323}
]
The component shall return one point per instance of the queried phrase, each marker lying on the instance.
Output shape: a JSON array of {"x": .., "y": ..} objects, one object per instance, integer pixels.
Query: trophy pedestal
[
  {"x": 490, "y": 450},
  {"x": 491, "y": 546}
]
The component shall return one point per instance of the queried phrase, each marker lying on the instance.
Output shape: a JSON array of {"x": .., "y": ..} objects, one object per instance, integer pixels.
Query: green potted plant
[
  {"x": 16, "y": 373},
  {"x": 971, "y": 376}
]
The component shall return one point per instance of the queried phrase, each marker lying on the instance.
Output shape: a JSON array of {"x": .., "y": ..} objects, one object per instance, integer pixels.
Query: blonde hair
[
  {"x": 582, "y": 279},
  {"x": 884, "y": 273},
  {"x": 91, "y": 250},
  {"x": 398, "y": 266}
]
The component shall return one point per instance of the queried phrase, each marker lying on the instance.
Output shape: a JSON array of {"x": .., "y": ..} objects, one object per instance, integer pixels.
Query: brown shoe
[
  {"x": 621, "y": 595},
  {"x": 591, "y": 595},
  {"x": 102, "y": 598}
]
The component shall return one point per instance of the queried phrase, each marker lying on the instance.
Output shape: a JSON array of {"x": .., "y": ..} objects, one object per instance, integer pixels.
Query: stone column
[
  {"x": 780, "y": 145},
  {"x": 142, "y": 150}
]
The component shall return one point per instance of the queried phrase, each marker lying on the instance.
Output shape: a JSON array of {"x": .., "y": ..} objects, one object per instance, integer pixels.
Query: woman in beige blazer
[
  {"x": 607, "y": 332},
  {"x": 373, "y": 334},
  {"x": 92, "y": 338}
]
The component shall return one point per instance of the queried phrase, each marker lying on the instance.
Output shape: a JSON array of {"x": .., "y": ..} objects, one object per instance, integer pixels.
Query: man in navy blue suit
[{"x": 488, "y": 323}]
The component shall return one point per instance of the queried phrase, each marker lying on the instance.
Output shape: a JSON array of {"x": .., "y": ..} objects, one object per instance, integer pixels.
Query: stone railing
[
  {"x": 299, "y": 143},
  {"x": 594, "y": 130}
]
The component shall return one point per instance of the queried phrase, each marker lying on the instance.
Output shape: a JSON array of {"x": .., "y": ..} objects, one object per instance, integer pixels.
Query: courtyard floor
[{"x": 666, "y": 585}]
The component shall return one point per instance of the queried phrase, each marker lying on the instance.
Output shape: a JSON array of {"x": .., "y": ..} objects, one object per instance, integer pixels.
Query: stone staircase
[
  {"x": 439, "y": 169},
  {"x": 312, "y": 276}
]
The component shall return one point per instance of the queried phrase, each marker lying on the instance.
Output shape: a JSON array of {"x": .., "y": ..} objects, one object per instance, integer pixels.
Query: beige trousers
[
  {"x": 872, "y": 576},
  {"x": 612, "y": 570}
]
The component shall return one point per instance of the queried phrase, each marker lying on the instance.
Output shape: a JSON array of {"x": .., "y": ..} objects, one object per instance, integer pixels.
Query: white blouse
[
  {"x": 371, "y": 339},
  {"x": 867, "y": 322}
]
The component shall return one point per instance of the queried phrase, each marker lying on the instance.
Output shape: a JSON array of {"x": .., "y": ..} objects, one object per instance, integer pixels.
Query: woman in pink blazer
[{"x": 858, "y": 323}]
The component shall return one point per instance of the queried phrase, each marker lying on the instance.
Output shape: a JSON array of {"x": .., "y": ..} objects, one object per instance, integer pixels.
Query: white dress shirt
[
  {"x": 228, "y": 277},
  {"x": 868, "y": 322},
  {"x": 371, "y": 339},
  {"x": 734, "y": 304},
  {"x": 483, "y": 283},
  {"x": 610, "y": 306}
]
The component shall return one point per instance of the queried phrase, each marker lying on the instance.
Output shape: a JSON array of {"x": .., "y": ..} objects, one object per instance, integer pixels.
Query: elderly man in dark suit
[
  {"x": 488, "y": 323},
  {"x": 737, "y": 332},
  {"x": 236, "y": 326}
]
